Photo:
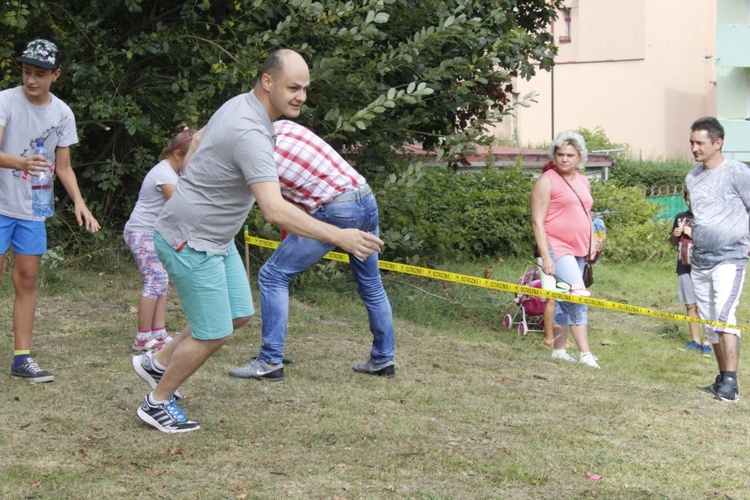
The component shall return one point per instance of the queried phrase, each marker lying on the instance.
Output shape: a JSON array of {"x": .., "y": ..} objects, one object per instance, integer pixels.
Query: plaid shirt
[{"x": 310, "y": 171}]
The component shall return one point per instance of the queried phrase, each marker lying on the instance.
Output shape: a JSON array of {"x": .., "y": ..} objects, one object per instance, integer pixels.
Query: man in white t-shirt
[{"x": 719, "y": 199}]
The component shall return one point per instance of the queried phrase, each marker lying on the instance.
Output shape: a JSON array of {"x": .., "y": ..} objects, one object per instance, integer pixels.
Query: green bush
[
  {"x": 633, "y": 234},
  {"x": 597, "y": 140},
  {"x": 436, "y": 215},
  {"x": 651, "y": 175},
  {"x": 430, "y": 215},
  {"x": 448, "y": 216}
]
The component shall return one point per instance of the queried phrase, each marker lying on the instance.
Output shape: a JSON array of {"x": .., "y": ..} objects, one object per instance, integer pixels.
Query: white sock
[
  {"x": 152, "y": 401},
  {"x": 144, "y": 336},
  {"x": 556, "y": 353},
  {"x": 157, "y": 365},
  {"x": 159, "y": 334}
]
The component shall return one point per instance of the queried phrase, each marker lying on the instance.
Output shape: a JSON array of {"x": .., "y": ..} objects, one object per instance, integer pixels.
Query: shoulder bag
[{"x": 588, "y": 270}]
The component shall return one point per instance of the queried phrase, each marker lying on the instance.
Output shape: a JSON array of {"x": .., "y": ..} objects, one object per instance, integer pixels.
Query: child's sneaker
[
  {"x": 692, "y": 346},
  {"x": 151, "y": 344},
  {"x": 31, "y": 372},
  {"x": 164, "y": 338},
  {"x": 707, "y": 351}
]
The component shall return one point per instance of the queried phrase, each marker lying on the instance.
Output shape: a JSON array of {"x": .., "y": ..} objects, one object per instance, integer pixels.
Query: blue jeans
[{"x": 296, "y": 254}]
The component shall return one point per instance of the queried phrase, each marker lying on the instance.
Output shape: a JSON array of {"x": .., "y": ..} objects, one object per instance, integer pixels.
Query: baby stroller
[{"x": 530, "y": 309}]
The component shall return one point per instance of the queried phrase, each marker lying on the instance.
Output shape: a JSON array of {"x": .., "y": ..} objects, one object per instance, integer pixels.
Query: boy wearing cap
[{"x": 28, "y": 114}]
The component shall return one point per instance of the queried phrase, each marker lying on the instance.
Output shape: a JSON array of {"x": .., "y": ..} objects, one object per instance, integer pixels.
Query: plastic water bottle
[{"x": 42, "y": 191}]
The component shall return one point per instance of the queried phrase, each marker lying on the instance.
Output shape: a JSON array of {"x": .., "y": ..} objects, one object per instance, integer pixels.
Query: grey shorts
[{"x": 685, "y": 289}]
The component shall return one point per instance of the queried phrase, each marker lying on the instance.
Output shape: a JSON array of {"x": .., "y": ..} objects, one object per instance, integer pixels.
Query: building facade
[
  {"x": 733, "y": 75},
  {"x": 642, "y": 70}
]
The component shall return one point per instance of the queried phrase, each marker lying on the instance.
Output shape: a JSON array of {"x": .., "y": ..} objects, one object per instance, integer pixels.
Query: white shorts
[{"x": 717, "y": 294}]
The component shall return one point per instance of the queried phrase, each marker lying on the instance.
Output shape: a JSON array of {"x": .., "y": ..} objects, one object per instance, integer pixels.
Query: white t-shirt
[
  {"x": 719, "y": 200},
  {"x": 151, "y": 198},
  {"x": 213, "y": 197},
  {"x": 25, "y": 124}
]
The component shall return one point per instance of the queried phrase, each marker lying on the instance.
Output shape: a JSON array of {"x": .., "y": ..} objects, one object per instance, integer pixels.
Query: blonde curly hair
[{"x": 569, "y": 137}]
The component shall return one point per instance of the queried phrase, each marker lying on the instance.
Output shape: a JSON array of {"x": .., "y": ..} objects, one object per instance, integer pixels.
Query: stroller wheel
[
  {"x": 508, "y": 321},
  {"x": 522, "y": 329}
]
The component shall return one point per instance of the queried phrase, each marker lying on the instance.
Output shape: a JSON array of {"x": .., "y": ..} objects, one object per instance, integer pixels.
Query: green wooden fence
[{"x": 670, "y": 205}]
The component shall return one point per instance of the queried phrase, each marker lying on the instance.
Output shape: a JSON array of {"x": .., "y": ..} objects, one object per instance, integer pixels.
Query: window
[{"x": 565, "y": 37}]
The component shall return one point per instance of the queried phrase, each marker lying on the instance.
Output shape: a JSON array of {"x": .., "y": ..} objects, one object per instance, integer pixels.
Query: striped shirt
[{"x": 310, "y": 171}]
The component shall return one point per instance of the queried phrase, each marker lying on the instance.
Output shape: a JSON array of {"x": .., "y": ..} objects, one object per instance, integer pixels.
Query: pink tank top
[{"x": 567, "y": 226}]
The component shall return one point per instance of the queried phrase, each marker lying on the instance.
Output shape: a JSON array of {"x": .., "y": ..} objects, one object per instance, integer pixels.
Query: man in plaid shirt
[{"x": 318, "y": 180}]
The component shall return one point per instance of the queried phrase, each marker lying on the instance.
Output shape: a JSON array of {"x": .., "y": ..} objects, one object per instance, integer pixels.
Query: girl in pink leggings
[{"x": 158, "y": 186}]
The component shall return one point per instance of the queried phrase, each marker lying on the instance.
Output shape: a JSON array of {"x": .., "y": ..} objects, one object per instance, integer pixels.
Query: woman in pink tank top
[{"x": 560, "y": 206}]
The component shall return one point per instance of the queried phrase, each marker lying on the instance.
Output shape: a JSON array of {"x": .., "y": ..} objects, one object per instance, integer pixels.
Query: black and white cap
[{"x": 41, "y": 53}]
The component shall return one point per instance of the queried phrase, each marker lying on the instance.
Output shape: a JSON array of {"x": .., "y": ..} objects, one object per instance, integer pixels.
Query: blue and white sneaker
[
  {"x": 167, "y": 417},
  {"x": 692, "y": 346},
  {"x": 31, "y": 372}
]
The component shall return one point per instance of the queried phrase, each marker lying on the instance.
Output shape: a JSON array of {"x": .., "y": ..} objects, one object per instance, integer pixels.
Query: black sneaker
[
  {"x": 167, "y": 417},
  {"x": 711, "y": 389},
  {"x": 143, "y": 364},
  {"x": 31, "y": 372},
  {"x": 259, "y": 369},
  {"x": 387, "y": 369},
  {"x": 728, "y": 391}
]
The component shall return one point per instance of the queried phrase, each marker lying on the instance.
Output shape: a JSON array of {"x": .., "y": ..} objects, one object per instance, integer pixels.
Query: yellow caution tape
[{"x": 511, "y": 287}]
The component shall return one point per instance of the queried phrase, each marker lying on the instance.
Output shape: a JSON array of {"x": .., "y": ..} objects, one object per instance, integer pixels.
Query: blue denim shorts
[
  {"x": 213, "y": 289},
  {"x": 27, "y": 237},
  {"x": 570, "y": 270}
]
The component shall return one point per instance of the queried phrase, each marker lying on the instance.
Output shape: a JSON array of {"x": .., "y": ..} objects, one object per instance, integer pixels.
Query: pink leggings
[{"x": 155, "y": 277}]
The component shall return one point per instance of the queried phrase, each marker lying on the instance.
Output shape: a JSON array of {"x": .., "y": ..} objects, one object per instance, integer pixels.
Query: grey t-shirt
[
  {"x": 151, "y": 198},
  {"x": 213, "y": 199},
  {"x": 719, "y": 199},
  {"x": 25, "y": 124}
]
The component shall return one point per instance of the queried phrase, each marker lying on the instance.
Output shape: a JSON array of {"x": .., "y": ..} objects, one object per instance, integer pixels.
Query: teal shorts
[
  {"x": 213, "y": 289},
  {"x": 27, "y": 237}
]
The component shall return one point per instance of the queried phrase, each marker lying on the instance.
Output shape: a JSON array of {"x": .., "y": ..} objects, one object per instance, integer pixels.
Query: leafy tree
[{"x": 384, "y": 72}]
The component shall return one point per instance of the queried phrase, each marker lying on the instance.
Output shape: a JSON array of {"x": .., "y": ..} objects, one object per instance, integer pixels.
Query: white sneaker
[
  {"x": 589, "y": 359},
  {"x": 561, "y": 354}
]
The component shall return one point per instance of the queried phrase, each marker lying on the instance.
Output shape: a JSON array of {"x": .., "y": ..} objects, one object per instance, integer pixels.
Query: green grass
[{"x": 476, "y": 411}]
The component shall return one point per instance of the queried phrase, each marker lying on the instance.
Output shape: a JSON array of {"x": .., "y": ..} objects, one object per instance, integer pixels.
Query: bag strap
[{"x": 584, "y": 210}]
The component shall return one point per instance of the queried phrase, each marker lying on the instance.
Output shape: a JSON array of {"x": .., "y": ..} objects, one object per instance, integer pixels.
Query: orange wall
[{"x": 633, "y": 67}]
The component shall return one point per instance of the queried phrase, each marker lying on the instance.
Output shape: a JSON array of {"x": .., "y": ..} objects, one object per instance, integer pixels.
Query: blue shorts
[
  {"x": 213, "y": 289},
  {"x": 27, "y": 237}
]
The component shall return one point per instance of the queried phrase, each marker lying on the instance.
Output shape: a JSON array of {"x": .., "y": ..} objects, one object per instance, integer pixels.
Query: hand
[
  {"x": 84, "y": 215},
  {"x": 548, "y": 266},
  {"x": 35, "y": 164},
  {"x": 359, "y": 243},
  {"x": 678, "y": 231},
  {"x": 688, "y": 231}
]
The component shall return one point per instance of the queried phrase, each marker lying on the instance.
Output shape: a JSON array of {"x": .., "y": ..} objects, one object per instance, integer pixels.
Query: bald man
[{"x": 230, "y": 168}]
